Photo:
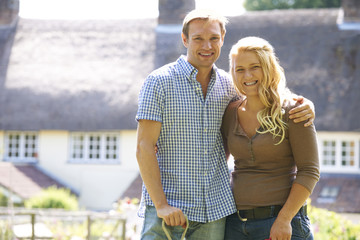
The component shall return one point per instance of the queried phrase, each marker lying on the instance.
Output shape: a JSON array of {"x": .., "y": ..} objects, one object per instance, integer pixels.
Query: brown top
[{"x": 264, "y": 172}]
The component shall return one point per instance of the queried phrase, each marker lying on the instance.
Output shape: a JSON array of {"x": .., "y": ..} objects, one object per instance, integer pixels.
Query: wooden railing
[{"x": 30, "y": 228}]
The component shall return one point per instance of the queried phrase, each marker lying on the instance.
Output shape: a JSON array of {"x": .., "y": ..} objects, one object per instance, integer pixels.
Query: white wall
[
  {"x": 2, "y": 147},
  {"x": 98, "y": 185}
]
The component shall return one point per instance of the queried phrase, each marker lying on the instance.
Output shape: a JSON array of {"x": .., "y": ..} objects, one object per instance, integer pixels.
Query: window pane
[
  {"x": 348, "y": 153},
  {"x": 329, "y": 153},
  {"x": 94, "y": 146},
  {"x": 21, "y": 146},
  {"x": 13, "y": 146},
  {"x": 30, "y": 149},
  {"x": 328, "y": 194},
  {"x": 77, "y": 146},
  {"x": 111, "y": 147}
]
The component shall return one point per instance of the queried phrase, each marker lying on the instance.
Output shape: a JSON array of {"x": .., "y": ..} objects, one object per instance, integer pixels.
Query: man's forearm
[{"x": 150, "y": 173}]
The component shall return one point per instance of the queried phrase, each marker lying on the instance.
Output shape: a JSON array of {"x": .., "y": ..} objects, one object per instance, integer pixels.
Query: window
[
  {"x": 347, "y": 153},
  {"x": 329, "y": 153},
  {"x": 328, "y": 194},
  {"x": 21, "y": 146},
  {"x": 94, "y": 148},
  {"x": 340, "y": 154}
]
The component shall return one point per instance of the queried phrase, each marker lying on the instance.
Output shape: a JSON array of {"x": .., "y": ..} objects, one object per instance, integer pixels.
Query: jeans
[
  {"x": 260, "y": 229},
  {"x": 197, "y": 231}
]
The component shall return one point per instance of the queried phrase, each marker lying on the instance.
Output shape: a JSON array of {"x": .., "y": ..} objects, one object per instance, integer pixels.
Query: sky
[{"x": 112, "y": 9}]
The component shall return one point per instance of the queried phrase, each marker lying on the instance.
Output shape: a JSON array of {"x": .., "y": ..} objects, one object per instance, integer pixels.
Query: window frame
[
  {"x": 328, "y": 194},
  {"x": 22, "y": 158},
  {"x": 339, "y": 140},
  {"x": 101, "y": 148}
]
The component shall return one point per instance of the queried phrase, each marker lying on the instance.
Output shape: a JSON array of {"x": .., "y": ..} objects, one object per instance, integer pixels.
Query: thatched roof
[
  {"x": 76, "y": 75},
  {"x": 86, "y": 75}
]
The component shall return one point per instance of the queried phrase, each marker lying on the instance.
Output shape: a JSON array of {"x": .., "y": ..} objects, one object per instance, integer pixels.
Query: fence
[{"x": 47, "y": 224}]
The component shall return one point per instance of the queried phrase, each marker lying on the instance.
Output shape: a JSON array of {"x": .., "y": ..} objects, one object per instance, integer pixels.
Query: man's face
[{"x": 204, "y": 43}]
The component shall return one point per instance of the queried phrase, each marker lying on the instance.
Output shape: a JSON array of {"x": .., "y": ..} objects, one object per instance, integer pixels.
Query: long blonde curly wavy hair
[{"x": 272, "y": 89}]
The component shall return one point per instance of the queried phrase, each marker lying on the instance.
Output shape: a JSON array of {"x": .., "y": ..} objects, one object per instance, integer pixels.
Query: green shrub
[
  {"x": 53, "y": 197},
  {"x": 332, "y": 226},
  {"x": 4, "y": 201}
]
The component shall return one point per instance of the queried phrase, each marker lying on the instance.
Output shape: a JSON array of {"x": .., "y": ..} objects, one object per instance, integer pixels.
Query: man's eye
[{"x": 239, "y": 70}]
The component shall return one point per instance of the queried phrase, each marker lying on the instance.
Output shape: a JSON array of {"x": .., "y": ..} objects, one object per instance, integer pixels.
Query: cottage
[{"x": 69, "y": 93}]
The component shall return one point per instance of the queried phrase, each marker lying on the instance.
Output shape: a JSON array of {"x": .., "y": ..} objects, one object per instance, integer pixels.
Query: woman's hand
[{"x": 281, "y": 229}]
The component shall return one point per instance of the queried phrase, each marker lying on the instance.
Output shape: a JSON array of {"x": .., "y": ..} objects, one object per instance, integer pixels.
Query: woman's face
[{"x": 248, "y": 72}]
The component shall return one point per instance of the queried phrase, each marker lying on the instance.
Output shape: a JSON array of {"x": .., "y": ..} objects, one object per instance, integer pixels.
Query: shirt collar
[{"x": 190, "y": 71}]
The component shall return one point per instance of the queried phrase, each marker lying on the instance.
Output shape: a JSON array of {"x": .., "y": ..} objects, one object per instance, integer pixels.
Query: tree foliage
[{"x": 255, "y": 5}]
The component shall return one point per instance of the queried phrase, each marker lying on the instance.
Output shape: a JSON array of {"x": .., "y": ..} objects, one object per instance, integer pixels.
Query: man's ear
[
  {"x": 184, "y": 40},
  {"x": 222, "y": 39}
]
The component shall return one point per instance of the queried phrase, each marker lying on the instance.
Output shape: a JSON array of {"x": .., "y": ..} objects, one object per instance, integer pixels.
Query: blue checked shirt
[{"x": 194, "y": 172}]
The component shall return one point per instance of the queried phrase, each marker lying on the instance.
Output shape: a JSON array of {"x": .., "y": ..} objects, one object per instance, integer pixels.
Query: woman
[{"x": 276, "y": 160}]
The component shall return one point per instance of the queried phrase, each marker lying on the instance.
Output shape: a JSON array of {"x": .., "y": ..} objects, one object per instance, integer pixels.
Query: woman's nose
[{"x": 247, "y": 74}]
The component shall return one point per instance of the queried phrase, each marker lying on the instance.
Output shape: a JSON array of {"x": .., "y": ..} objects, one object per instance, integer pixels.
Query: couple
[{"x": 196, "y": 117}]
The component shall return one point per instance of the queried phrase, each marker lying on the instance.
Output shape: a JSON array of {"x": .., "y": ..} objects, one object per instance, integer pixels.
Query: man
[{"x": 180, "y": 110}]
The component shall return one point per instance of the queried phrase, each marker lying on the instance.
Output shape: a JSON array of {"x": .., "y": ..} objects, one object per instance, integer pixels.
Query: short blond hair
[{"x": 204, "y": 14}]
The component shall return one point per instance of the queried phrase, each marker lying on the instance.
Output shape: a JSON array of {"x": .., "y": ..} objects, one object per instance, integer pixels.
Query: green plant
[
  {"x": 5, "y": 232},
  {"x": 53, "y": 197},
  {"x": 4, "y": 201},
  {"x": 332, "y": 226}
]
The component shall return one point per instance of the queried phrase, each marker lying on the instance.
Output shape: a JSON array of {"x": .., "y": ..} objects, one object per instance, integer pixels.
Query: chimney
[
  {"x": 9, "y": 10},
  {"x": 351, "y": 10},
  {"x": 172, "y": 12},
  {"x": 349, "y": 15}
]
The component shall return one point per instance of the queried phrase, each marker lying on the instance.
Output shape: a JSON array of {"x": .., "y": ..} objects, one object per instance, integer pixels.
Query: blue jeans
[
  {"x": 197, "y": 231},
  {"x": 260, "y": 229}
]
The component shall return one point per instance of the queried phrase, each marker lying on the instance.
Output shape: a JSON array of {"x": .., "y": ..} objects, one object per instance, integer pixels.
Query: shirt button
[{"x": 205, "y": 151}]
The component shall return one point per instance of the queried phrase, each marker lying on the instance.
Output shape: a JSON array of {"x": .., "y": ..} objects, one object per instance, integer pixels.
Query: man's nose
[{"x": 207, "y": 45}]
